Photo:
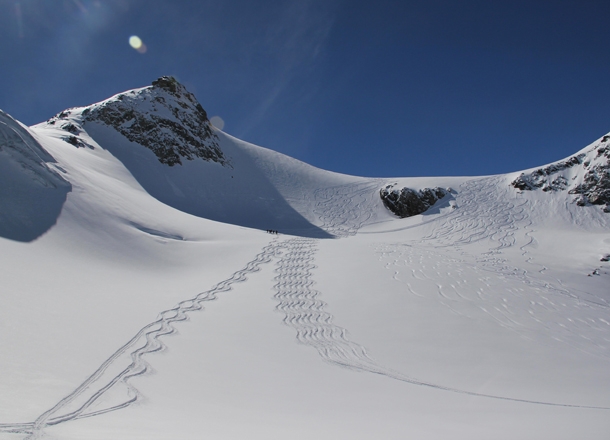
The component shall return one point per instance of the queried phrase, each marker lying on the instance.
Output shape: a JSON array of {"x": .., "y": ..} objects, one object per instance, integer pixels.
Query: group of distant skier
[{"x": 271, "y": 231}]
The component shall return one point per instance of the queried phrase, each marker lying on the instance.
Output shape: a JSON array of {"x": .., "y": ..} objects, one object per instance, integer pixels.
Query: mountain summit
[{"x": 164, "y": 117}]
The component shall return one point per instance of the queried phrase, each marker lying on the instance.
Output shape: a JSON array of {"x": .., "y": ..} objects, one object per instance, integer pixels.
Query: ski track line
[
  {"x": 96, "y": 385},
  {"x": 479, "y": 217}
]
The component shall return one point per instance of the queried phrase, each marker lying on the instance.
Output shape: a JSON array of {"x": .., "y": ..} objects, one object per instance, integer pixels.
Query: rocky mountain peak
[{"x": 164, "y": 117}]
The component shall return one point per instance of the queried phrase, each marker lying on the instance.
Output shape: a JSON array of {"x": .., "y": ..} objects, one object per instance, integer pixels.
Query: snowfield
[{"x": 147, "y": 301}]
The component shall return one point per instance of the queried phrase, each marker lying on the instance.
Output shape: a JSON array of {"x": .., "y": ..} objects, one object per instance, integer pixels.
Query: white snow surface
[{"x": 154, "y": 305}]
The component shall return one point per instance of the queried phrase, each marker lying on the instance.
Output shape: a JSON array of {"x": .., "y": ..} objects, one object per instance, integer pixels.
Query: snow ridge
[
  {"x": 480, "y": 217},
  {"x": 32, "y": 190}
]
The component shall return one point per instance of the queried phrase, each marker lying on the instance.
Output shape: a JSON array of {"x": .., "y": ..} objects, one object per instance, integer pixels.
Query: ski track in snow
[
  {"x": 442, "y": 258},
  {"x": 343, "y": 210},
  {"x": 113, "y": 371},
  {"x": 304, "y": 311}
]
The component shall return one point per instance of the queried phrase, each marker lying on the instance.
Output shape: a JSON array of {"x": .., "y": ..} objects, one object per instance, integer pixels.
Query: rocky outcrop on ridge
[
  {"x": 586, "y": 175},
  {"x": 547, "y": 178},
  {"x": 407, "y": 202},
  {"x": 165, "y": 118}
]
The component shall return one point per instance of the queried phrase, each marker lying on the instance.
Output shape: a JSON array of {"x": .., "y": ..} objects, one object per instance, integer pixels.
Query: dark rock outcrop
[
  {"x": 546, "y": 178},
  {"x": 407, "y": 202},
  {"x": 586, "y": 175},
  {"x": 165, "y": 118}
]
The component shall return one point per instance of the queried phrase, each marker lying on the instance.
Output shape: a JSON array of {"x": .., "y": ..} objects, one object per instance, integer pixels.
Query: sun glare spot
[
  {"x": 137, "y": 43},
  {"x": 217, "y": 122}
]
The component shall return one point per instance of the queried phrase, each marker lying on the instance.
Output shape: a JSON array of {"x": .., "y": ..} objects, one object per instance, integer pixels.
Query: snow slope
[
  {"x": 151, "y": 303},
  {"x": 32, "y": 192}
]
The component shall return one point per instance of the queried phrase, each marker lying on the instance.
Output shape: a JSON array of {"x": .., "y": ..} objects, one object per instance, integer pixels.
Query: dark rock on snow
[{"x": 407, "y": 202}]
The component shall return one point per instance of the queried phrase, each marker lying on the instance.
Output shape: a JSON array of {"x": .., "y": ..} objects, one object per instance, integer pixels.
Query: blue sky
[{"x": 383, "y": 88}]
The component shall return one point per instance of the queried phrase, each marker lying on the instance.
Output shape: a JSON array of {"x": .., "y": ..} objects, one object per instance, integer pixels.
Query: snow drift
[{"x": 32, "y": 192}]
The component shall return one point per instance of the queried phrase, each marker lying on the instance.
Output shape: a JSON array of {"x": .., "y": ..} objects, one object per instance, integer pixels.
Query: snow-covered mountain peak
[
  {"x": 164, "y": 117},
  {"x": 585, "y": 174}
]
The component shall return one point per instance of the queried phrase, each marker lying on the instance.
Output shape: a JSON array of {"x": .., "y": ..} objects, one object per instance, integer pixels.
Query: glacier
[{"x": 143, "y": 298}]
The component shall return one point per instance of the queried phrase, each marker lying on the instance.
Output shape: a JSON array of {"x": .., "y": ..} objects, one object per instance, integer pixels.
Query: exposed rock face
[
  {"x": 165, "y": 118},
  {"x": 407, "y": 202},
  {"x": 586, "y": 174},
  {"x": 547, "y": 178}
]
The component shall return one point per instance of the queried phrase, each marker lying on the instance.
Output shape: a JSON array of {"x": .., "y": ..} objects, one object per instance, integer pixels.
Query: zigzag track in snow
[
  {"x": 481, "y": 216},
  {"x": 305, "y": 313},
  {"x": 343, "y": 209},
  {"x": 146, "y": 341}
]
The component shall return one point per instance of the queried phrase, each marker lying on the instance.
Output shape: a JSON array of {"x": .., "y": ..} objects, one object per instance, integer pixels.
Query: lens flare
[
  {"x": 217, "y": 122},
  {"x": 137, "y": 43}
]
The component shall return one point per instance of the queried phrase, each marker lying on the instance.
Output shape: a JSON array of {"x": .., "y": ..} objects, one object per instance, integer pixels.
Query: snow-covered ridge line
[{"x": 32, "y": 189}]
